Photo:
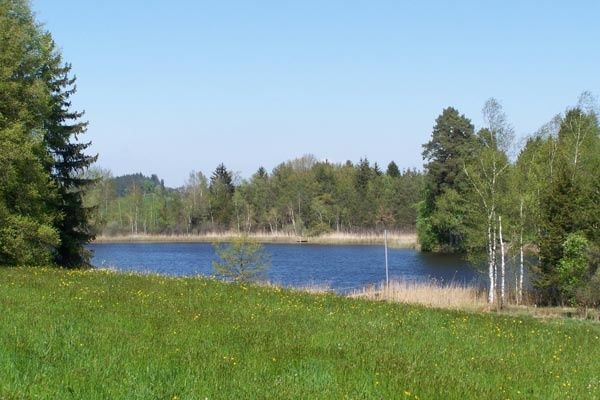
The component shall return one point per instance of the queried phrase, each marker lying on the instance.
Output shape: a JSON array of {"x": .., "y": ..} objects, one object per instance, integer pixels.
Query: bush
[
  {"x": 113, "y": 228},
  {"x": 319, "y": 229},
  {"x": 242, "y": 260},
  {"x": 573, "y": 267},
  {"x": 427, "y": 240},
  {"x": 589, "y": 295}
]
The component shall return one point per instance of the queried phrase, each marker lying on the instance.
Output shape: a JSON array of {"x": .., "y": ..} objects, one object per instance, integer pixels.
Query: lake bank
[
  {"x": 132, "y": 336},
  {"x": 396, "y": 240}
]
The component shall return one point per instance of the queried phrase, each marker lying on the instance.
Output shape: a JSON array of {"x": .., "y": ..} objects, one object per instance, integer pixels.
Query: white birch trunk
[
  {"x": 493, "y": 258},
  {"x": 521, "y": 269},
  {"x": 490, "y": 263},
  {"x": 521, "y": 276},
  {"x": 293, "y": 221},
  {"x": 502, "y": 265}
]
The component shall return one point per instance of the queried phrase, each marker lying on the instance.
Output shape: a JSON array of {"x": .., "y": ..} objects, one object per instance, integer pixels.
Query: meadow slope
[{"x": 100, "y": 334}]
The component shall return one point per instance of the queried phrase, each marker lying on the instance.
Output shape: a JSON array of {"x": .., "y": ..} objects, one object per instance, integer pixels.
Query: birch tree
[
  {"x": 195, "y": 194},
  {"x": 487, "y": 175}
]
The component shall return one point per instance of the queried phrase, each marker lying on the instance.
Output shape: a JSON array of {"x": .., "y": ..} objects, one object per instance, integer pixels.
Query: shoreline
[{"x": 395, "y": 240}]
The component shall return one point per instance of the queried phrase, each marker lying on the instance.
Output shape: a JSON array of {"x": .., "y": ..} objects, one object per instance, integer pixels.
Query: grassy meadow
[{"x": 106, "y": 335}]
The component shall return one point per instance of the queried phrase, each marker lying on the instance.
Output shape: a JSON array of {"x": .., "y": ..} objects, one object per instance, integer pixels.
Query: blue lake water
[{"x": 340, "y": 267}]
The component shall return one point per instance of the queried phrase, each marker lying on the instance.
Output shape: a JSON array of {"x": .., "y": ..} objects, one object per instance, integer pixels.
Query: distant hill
[{"x": 125, "y": 183}]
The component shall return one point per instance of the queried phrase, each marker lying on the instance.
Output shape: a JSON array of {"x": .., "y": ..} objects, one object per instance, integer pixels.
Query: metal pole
[{"x": 387, "y": 276}]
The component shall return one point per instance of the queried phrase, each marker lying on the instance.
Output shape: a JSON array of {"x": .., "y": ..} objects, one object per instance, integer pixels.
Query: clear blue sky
[{"x": 175, "y": 86}]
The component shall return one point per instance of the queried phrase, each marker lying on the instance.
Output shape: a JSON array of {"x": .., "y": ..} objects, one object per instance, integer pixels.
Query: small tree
[
  {"x": 242, "y": 260},
  {"x": 573, "y": 267}
]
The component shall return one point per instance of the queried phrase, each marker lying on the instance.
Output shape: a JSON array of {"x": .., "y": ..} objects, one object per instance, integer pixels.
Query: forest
[
  {"x": 492, "y": 200},
  {"x": 303, "y": 197},
  {"x": 42, "y": 216}
]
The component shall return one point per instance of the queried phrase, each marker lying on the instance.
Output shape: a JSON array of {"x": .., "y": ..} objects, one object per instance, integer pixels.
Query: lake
[{"x": 342, "y": 267}]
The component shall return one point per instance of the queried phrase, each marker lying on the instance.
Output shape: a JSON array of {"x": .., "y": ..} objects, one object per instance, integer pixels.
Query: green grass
[{"x": 104, "y": 335}]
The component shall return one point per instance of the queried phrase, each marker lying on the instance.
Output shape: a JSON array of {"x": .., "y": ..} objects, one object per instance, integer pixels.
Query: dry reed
[
  {"x": 395, "y": 239},
  {"x": 430, "y": 294}
]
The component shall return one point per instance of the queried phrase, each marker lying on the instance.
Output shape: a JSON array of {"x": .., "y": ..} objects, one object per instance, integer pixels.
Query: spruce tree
[
  {"x": 392, "y": 170},
  {"x": 221, "y": 194},
  {"x": 364, "y": 173},
  {"x": 262, "y": 173},
  {"x": 63, "y": 128},
  {"x": 569, "y": 203}
]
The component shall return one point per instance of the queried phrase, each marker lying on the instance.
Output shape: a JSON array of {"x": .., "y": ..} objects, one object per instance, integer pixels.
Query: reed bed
[
  {"x": 431, "y": 294},
  {"x": 395, "y": 239}
]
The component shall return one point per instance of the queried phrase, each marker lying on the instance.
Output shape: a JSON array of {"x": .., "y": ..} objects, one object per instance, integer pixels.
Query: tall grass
[
  {"x": 104, "y": 335},
  {"x": 395, "y": 239},
  {"x": 455, "y": 296},
  {"x": 430, "y": 294}
]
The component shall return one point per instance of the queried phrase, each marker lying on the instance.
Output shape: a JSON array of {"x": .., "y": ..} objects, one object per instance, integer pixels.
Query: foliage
[
  {"x": 27, "y": 232},
  {"x": 42, "y": 216},
  {"x": 551, "y": 191},
  {"x": 302, "y": 197},
  {"x": 242, "y": 260},
  {"x": 124, "y": 183},
  {"x": 452, "y": 141},
  {"x": 588, "y": 295},
  {"x": 569, "y": 200},
  {"x": 448, "y": 218},
  {"x": 572, "y": 268},
  {"x": 63, "y": 129},
  {"x": 393, "y": 170},
  {"x": 221, "y": 190},
  {"x": 426, "y": 237}
]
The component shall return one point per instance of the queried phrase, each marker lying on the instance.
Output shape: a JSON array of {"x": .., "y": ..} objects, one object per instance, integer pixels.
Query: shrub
[
  {"x": 242, "y": 260},
  {"x": 573, "y": 267}
]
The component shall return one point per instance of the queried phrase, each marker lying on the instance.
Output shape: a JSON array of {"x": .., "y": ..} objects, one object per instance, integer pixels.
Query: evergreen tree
[
  {"x": 393, "y": 170},
  {"x": 63, "y": 128},
  {"x": 451, "y": 143},
  {"x": 364, "y": 209},
  {"x": 364, "y": 173},
  {"x": 569, "y": 203},
  {"x": 221, "y": 195},
  {"x": 35, "y": 104},
  {"x": 376, "y": 170},
  {"x": 262, "y": 173},
  {"x": 259, "y": 198}
]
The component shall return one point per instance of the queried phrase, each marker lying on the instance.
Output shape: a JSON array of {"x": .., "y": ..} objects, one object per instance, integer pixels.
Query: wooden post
[{"x": 387, "y": 276}]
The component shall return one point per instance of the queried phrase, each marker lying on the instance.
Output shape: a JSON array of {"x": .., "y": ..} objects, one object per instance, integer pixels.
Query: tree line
[
  {"x": 42, "y": 216},
  {"x": 493, "y": 201},
  {"x": 301, "y": 197}
]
